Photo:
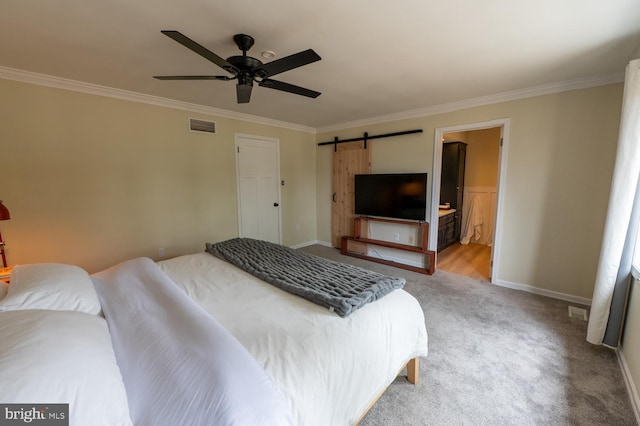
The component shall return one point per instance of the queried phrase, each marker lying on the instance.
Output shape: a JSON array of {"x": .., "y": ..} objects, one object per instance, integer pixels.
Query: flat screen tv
[{"x": 392, "y": 195}]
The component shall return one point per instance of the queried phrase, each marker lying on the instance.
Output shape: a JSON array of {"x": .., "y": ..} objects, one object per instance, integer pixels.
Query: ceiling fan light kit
[{"x": 246, "y": 69}]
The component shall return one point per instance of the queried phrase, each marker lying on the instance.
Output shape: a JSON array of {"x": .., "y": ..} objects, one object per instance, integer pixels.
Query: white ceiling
[{"x": 378, "y": 57}]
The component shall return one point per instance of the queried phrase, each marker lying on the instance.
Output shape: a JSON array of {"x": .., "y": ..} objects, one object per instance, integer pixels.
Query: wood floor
[{"x": 471, "y": 260}]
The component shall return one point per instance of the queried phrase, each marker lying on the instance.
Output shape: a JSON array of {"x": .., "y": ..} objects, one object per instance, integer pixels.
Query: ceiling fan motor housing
[{"x": 244, "y": 63}]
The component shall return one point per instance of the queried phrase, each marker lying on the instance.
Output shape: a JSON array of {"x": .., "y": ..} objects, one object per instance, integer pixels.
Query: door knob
[{"x": 275, "y": 204}]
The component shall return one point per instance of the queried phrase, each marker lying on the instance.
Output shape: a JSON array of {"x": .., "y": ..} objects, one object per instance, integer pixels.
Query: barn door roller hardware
[{"x": 366, "y": 138}]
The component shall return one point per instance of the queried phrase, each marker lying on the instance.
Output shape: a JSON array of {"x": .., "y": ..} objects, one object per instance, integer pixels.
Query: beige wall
[
  {"x": 92, "y": 180},
  {"x": 483, "y": 155},
  {"x": 561, "y": 150},
  {"x": 483, "y": 158}
]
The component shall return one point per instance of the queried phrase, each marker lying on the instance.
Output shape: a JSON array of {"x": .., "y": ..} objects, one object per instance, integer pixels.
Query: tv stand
[{"x": 358, "y": 227}]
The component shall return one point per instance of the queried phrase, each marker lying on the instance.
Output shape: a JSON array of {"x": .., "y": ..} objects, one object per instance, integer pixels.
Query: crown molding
[
  {"x": 546, "y": 89},
  {"x": 95, "y": 89}
]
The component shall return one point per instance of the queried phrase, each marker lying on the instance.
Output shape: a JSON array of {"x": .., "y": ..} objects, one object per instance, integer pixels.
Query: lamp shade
[{"x": 4, "y": 212}]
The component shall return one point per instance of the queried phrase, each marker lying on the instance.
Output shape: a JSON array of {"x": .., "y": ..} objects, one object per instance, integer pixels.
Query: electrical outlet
[
  {"x": 410, "y": 239},
  {"x": 396, "y": 236},
  {"x": 160, "y": 251}
]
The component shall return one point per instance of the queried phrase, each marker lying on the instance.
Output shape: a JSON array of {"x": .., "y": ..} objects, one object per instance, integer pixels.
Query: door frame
[
  {"x": 503, "y": 123},
  {"x": 276, "y": 141}
]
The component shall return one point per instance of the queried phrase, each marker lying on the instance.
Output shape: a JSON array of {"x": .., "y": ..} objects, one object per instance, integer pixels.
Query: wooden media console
[{"x": 358, "y": 237}]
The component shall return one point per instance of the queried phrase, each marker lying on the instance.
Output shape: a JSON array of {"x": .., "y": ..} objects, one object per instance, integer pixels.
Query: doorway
[
  {"x": 474, "y": 250},
  {"x": 258, "y": 187}
]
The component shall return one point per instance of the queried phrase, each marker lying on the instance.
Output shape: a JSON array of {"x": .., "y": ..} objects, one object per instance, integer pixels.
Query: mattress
[{"x": 329, "y": 369}]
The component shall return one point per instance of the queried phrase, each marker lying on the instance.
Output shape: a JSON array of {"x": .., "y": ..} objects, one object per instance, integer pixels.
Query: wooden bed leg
[
  {"x": 412, "y": 377},
  {"x": 413, "y": 367}
]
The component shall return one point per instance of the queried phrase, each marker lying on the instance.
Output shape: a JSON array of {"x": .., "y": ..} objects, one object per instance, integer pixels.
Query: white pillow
[
  {"x": 51, "y": 286},
  {"x": 51, "y": 357}
]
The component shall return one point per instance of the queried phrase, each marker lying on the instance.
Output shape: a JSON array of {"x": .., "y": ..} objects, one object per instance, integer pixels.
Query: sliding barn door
[{"x": 349, "y": 159}]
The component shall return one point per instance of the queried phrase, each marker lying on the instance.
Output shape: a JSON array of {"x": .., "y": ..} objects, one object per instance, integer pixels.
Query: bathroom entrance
[{"x": 467, "y": 196}]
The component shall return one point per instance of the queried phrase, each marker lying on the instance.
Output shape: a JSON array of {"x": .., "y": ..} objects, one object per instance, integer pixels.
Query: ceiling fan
[{"x": 245, "y": 68}]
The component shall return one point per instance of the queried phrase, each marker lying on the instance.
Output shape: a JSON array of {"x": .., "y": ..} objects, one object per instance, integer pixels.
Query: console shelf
[{"x": 359, "y": 238}]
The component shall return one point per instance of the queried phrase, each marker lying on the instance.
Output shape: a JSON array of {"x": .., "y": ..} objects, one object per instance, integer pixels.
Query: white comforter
[
  {"x": 179, "y": 366},
  {"x": 330, "y": 369}
]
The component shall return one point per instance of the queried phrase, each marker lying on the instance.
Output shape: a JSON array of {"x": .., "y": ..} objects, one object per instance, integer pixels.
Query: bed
[
  {"x": 330, "y": 369},
  {"x": 304, "y": 364}
]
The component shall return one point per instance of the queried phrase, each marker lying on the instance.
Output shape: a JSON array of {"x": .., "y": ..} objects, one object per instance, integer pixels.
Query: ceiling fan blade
[
  {"x": 192, "y": 77},
  {"x": 286, "y": 87},
  {"x": 200, "y": 50},
  {"x": 287, "y": 63},
  {"x": 243, "y": 91}
]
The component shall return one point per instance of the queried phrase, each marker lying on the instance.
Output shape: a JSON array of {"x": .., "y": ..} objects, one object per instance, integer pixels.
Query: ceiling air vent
[{"x": 204, "y": 126}]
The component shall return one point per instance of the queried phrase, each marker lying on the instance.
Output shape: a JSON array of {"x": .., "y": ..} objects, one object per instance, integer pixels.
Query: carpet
[{"x": 498, "y": 356}]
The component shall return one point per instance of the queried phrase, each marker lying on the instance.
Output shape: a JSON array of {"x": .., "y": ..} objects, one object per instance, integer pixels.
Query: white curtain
[{"x": 616, "y": 255}]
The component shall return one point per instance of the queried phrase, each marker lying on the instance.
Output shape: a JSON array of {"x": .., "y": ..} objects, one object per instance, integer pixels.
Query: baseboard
[
  {"x": 401, "y": 260},
  {"x": 544, "y": 292},
  {"x": 628, "y": 382},
  {"x": 324, "y": 243},
  {"x": 501, "y": 283},
  {"x": 311, "y": 243}
]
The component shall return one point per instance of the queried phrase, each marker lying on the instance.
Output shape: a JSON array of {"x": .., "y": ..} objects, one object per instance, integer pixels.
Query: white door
[{"x": 258, "y": 177}]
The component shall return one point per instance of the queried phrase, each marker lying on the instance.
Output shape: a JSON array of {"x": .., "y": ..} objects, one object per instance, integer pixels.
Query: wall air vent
[{"x": 204, "y": 126}]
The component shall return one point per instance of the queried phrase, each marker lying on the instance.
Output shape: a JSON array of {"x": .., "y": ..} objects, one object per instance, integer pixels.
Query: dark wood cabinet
[
  {"x": 452, "y": 185},
  {"x": 446, "y": 230}
]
